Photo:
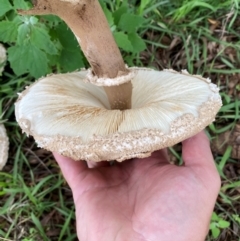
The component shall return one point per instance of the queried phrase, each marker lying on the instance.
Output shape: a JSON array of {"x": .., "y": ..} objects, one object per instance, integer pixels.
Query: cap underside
[{"x": 69, "y": 116}]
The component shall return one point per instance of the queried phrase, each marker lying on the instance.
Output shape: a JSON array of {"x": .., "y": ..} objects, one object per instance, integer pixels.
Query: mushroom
[
  {"x": 3, "y": 58},
  {"x": 67, "y": 114},
  {"x": 111, "y": 112},
  {"x": 3, "y": 146}
]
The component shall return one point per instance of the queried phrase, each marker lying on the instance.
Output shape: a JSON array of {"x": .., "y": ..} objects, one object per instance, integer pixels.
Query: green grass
[{"x": 36, "y": 203}]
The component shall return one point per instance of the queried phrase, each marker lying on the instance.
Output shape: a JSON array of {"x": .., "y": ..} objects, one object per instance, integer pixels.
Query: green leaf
[
  {"x": 23, "y": 34},
  {"x": 223, "y": 224},
  {"x": 5, "y": 7},
  {"x": 51, "y": 20},
  {"x": 8, "y": 31},
  {"x": 118, "y": 13},
  {"x": 143, "y": 5},
  {"x": 71, "y": 57},
  {"x": 137, "y": 43},
  {"x": 215, "y": 232},
  {"x": 41, "y": 39},
  {"x": 38, "y": 225},
  {"x": 71, "y": 60},
  {"x": 66, "y": 37},
  {"x": 214, "y": 217},
  {"x": 188, "y": 6},
  {"x": 108, "y": 15},
  {"x": 15, "y": 57},
  {"x": 38, "y": 64},
  {"x": 225, "y": 158},
  {"x": 33, "y": 20},
  {"x": 213, "y": 225},
  {"x": 65, "y": 226},
  {"x": 29, "y": 58},
  {"x": 130, "y": 22},
  {"x": 20, "y": 4},
  {"x": 53, "y": 60},
  {"x": 236, "y": 218},
  {"x": 123, "y": 41}
]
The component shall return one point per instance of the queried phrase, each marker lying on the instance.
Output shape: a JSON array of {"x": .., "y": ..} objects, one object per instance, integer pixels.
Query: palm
[{"x": 143, "y": 200}]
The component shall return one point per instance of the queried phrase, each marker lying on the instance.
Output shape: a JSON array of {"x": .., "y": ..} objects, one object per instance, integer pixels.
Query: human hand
[{"x": 145, "y": 199}]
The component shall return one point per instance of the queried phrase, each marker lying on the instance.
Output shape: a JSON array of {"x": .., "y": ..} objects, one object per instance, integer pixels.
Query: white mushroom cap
[
  {"x": 3, "y": 146},
  {"x": 67, "y": 115},
  {"x": 3, "y": 58}
]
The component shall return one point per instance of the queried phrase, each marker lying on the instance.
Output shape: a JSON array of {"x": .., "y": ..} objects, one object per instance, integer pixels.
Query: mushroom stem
[
  {"x": 119, "y": 96},
  {"x": 88, "y": 23}
]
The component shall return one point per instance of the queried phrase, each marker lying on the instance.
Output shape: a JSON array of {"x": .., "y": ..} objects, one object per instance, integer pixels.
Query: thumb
[
  {"x": 196, "y": 151},
  {"x": 197, "y": 155},
  {"x": 70, "y": 169}
]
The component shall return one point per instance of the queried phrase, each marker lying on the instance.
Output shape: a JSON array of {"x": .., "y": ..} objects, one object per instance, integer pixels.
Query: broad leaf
[
  {"x": 8, "y": 31},
  {"x": 17, "y": 59},
  {"x": 38, "y": 67},
  {"x": 118, "y": 13},
  {"x": 28, "y": 58},
  {"x": 214, "y": 217},
  {"x": 215, "y": 232},
  {"x": 41, "y": 39},
  {"x": 123, "y": 41},
  {"x": 5, "y": 6},
  {"x": 23, "y": 34},
  {"x": 51, "y": 20},
  {"x": 108, "y": 15},
  {"x": 137, "y": 43},
  {"x": 223, "y": 224},
  {"x": 130, "y": 22},
  {"x": 71, "y": 57},
  {"x": 71, "y": 60},
  {"x": 20, "y": 4}
]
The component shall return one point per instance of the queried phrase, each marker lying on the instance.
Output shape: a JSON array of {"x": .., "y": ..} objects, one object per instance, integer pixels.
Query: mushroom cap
[
  {"x": 67, "y": 115},
  {"x": 3, "y": 58},
  {"x": 3, "y": 146}
]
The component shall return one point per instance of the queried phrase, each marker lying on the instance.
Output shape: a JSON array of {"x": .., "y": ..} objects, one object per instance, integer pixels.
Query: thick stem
[
  {"x": 119, "y": 96},
  {"x": 87, "y": 21}
]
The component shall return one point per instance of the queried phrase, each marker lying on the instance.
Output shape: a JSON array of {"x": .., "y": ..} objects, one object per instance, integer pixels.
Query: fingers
[
  {"x": 196, "y": 151},
  {"x": 70, "y": 168}
]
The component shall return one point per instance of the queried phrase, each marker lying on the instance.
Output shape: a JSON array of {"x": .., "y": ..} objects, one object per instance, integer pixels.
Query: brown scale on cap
[{"x": 88, "y": 23}]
